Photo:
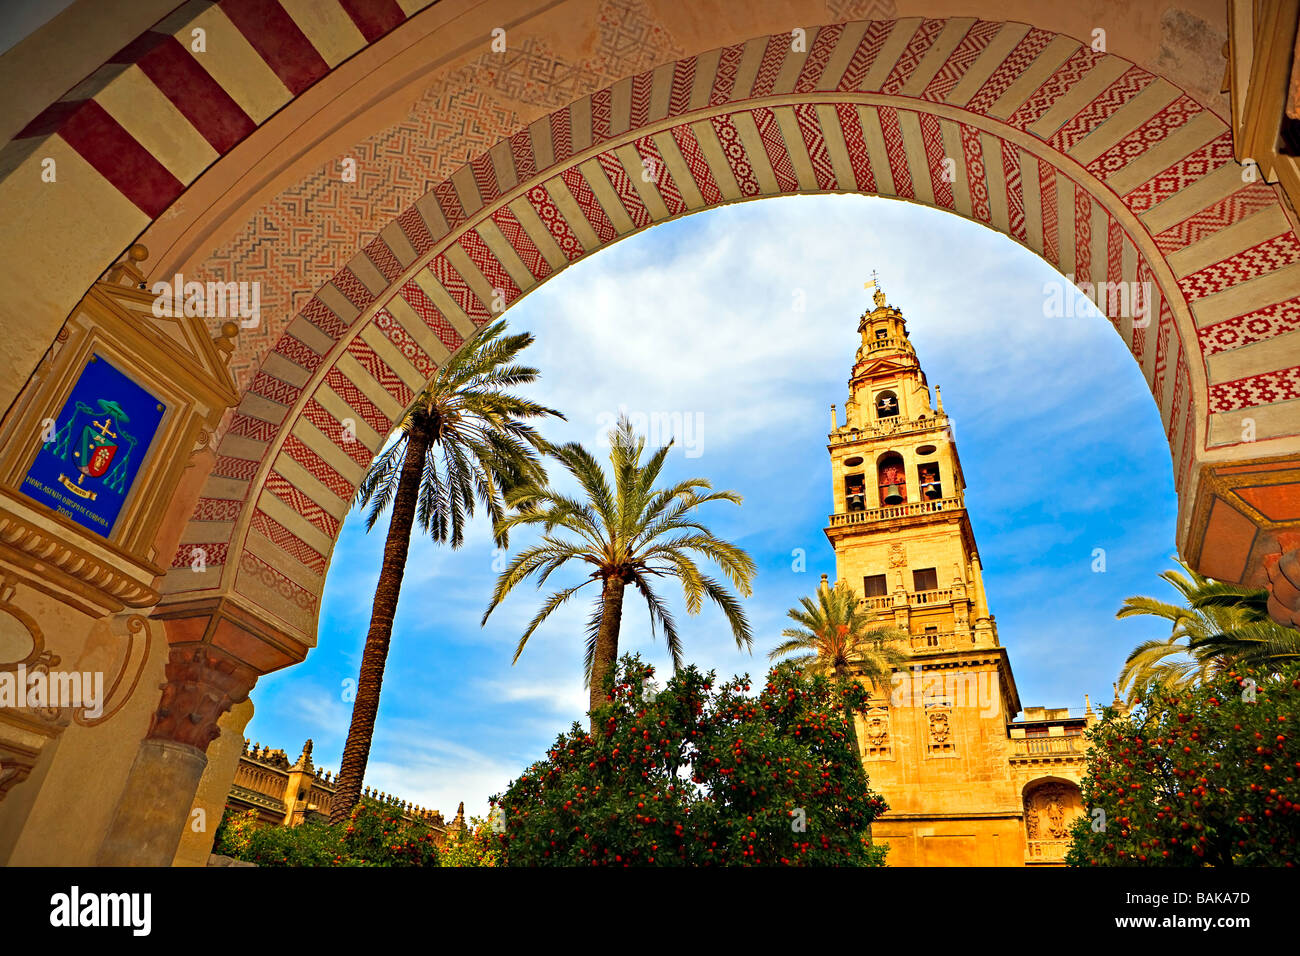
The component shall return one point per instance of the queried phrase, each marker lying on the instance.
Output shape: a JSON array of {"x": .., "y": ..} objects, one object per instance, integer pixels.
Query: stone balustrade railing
[
  {"x": 1070, "y": 744},
  {"x": 894, "y": 512},
  {"x": 884, "y": 602},
  {"x": 885, "y": 427},
  {"x": 889, "y": 342},
  {"x": 943, "y": 641}
]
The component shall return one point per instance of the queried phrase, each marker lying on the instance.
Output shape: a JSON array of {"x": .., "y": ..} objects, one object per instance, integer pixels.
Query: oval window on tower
[{"x": 926, "y": 450}]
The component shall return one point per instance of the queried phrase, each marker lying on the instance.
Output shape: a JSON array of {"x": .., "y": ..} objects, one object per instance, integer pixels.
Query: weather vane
[{"x": 875, "y": 282}]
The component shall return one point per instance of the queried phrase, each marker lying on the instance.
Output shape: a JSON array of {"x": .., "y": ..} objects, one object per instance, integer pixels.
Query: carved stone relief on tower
[
  {"x": 938, "y": 717},
  {"x": 1047, "y": 812},
  {"x": 876, "y": 742}
]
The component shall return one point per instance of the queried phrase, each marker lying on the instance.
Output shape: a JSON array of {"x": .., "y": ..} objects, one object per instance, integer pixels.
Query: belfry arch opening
[{"x": 891, "y": 479}]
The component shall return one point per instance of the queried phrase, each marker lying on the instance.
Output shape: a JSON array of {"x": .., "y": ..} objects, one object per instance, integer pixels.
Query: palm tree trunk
[
  {"x": 606, "y": 657},
  {"x": 356, "y": 753}
]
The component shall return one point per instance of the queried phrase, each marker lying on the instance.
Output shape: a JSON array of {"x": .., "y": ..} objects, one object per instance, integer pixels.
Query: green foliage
[
  {"x": 476, "y": 846},
  {"x": 1217, "y": 626},
  {"x": 631, "y": 531},
  {"x": 374, "y": 835},
  {"x": 243, "y": 837},
  {"x": 700, "y": 776},
  {"x": 469, "y": 414},
  {"x": 1196, "y": 776},
  {"x": 840, "y": 633}
]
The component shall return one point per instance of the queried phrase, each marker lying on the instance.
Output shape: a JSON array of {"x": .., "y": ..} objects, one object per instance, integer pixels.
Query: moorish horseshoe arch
[{"x": 1107, "y": 170}]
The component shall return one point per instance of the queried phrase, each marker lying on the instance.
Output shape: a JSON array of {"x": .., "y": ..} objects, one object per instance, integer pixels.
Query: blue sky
[{"x": 744, "y": 320}]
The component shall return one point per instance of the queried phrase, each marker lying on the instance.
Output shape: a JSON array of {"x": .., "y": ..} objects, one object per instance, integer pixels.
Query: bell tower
[
  {"x": 935, "y": 743},
  {"x": 899, "y": 527}
]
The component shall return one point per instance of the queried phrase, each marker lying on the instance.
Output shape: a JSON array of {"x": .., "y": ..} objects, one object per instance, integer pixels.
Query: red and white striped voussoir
[
  {"x": 1086, "y": 121},
  {"x": 1083, "y": 236},
  {"x": 936, "y": 158},
  {"x": 414, "y": 296},
  {"x": 297, "y": 450},
  {"x": 1249, "y": 199},
  {"x": 607, "y": 197},
  {"x": 1265, "y": 323},
  {"x": 193, "y": 83},
  {"x": 298, "y": 500},
  {"x": 811, "y": 74},
  {"x": 962, "y": 58},
  {"x": 913, "y": 54},
  {"x": 211, "y": 553},
  {"x": 1254, "y": 390},
  {"x": 814, "y": 143},
  {"x": 1258, "y": 260}
]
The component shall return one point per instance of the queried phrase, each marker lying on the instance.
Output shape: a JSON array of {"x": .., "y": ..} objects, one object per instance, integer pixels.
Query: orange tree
[
  {"x": 373, "y": 834},
  {"x": 476, "y": 845},
  {"x": 1196, "y": 776},
  {"x": 696, "y": 775}
]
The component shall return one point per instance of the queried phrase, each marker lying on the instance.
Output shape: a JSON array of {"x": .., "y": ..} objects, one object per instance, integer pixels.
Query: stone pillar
[
  {"x": 977, "y": 583},
  {"x": 214, "y": 789},
  {"x": 202, "y": 684}
]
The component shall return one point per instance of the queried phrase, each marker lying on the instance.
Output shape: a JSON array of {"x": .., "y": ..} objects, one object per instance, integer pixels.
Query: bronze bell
[{"x": 892, "y": 495}]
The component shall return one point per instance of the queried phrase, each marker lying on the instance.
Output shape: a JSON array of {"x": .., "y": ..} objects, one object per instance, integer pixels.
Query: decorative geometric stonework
[{"x": 455, "y": 121}]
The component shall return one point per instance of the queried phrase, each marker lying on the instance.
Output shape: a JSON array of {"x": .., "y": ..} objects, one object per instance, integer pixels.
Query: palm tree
[
  {"x": 628, "y": 534},
  {"x": 1218, "y": 626},
  {"x": 838, "y": 633},
  {"x": 464, "y": 439}
]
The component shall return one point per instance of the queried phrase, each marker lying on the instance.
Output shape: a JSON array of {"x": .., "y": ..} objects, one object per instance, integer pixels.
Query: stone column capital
[{"x": 203, "y": 683}]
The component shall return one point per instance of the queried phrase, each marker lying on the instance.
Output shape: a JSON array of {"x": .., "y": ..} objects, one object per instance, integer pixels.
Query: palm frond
[
  {"x": 625, "y": 529},
  {"x": 1218, "y": 625}
]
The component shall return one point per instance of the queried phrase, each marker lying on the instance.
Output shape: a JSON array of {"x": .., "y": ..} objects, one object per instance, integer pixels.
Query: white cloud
[{"x": 568, "y": 700}]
